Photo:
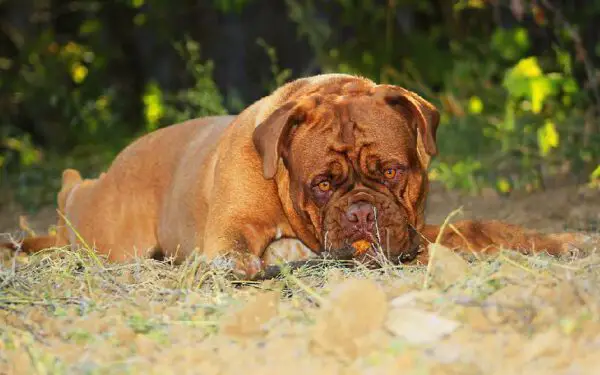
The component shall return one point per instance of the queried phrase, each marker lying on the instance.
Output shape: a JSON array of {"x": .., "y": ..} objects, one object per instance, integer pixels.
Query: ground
[{"x": 69, "y": 312}]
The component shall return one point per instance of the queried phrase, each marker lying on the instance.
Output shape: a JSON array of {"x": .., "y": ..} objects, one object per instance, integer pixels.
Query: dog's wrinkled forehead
[
  {"x": 353, "y": 119},
  {"x": 319, "y": 87},
  {"x": 347, "y": 129},
  {"x": 350, "y": 112},
  {"x": 334, "y": 114}
]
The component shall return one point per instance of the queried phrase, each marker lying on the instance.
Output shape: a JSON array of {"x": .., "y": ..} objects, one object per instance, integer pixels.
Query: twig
[
  {"x": 437, "y": 241},
  {"x": 286, "y": 272},
  {"x": 81, "y": 239}
]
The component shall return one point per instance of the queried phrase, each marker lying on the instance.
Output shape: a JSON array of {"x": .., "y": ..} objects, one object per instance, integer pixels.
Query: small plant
[
  {"x": 203, "y": 98},
  {"x": 279, "y": 76}
]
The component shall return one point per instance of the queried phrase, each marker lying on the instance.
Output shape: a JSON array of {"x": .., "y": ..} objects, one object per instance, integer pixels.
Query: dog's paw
[
  {"x": 238, "y": 265},
  {"x": 577, "y": 245},
  {"x": 286, "y": 250}
]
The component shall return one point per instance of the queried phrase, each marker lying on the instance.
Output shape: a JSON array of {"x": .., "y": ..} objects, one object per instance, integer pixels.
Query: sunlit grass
[{"x": 71, "y": 312}]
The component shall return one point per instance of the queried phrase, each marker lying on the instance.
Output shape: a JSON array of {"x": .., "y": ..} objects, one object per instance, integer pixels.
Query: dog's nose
[{"x": 361, "y": 214}]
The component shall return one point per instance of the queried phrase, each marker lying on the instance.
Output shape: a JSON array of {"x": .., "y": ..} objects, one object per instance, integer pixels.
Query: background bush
[{"x": 516, "y": 80}]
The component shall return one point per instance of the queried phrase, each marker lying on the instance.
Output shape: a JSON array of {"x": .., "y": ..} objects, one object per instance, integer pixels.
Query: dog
[{"x": 321, "y": 165}]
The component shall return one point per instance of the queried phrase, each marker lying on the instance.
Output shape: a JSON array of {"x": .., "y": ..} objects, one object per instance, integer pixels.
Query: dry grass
[{"x": 68, "y": 312}]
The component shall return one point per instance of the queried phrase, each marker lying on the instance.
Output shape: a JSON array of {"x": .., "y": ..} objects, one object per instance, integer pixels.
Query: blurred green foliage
[
  {"x": 517, "y": 104},
  {"x": 516, "y": 81}
]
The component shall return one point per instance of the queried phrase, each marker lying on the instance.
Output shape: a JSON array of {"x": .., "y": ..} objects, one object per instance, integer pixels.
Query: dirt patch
[{"x": 572, "y": 207}]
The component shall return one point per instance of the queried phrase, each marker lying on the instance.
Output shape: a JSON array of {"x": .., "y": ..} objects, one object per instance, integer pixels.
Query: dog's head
[{"x": 353, "y": 156}]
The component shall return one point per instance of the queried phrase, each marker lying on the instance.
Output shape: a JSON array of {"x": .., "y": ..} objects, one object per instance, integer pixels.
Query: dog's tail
[{"x": 30, "y": 245}]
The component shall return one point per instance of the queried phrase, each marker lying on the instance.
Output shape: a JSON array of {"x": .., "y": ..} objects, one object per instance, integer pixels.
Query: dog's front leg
[{"x": 245, "y": 247}]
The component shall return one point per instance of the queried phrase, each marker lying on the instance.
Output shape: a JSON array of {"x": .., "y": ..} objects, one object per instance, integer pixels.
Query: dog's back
[{"x": 131, "y": 191}]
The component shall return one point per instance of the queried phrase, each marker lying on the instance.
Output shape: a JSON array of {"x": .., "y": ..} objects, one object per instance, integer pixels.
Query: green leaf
[
  {"x": 139, "y": 19},
  {"x": 90, "y": 27},
  {"x": 570, "y": 86},
  {"x": 595, "y": 174},
  {"x": 564, "y": 59},
  {"x": 521, "y": 37},
  {"x": 517, "y": 79},
  {"x": 511, "y": 44},
  {"x": 526, "y": 80}
]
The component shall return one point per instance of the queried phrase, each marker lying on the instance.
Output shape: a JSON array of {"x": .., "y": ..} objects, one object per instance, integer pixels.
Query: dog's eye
[
  {"x": 324, "y": 186},
  {"x": 390, "y": 173}
]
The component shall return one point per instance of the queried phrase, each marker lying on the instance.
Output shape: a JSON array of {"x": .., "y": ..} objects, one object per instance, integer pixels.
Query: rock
[
  {"x": 355, "y": 310},
  {"x": 418, "y": 326}
]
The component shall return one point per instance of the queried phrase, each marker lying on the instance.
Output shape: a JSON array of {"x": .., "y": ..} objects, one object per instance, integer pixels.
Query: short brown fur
[{"x": 233, "y": 187}]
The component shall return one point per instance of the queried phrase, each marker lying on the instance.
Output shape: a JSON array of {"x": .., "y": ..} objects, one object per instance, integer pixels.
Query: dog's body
[
  {"x": 321, "y": 162},
  {"x": 148, "y": 198}
]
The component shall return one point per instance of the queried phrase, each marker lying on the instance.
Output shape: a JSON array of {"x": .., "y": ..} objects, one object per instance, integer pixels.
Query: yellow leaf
[
  {"x": 548, "y": 137},
  {"x": 476, "y": 4},
  {"x": 596, "y": 173},
  {"x": 475, "y": 105},
  {"x": 73, "y": 48},
  {"x": 595, "y": 177},
  {"x": 153, "y": 105},
  {"x": 13, "y": 144},
  {"x": 78, "y": 72},
  {"x": 466, "y": 4},
  {"x": 540, "y": 89},
  {"x": 503, "y": 185},
  {"x": 434, "y": 174},
  {"x": 528, "y": 67}
]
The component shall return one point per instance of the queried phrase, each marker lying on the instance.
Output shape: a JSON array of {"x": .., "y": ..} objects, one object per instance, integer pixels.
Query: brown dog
[{"x": 321, "y": 163}]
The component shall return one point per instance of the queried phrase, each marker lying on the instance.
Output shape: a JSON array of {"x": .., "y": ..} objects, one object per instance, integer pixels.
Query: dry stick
[
  {"x": 475, "y": 253},
  {"x": 437, "y": 241},
  {"x": 459, "y": 233},
  {"x": 516, "y": 264},
  {"x": 272, "y": 271},
  {"x": 25, "y": 226},
  {"x": 285, "y": 269},
  {"x": 308, "y": 290}
]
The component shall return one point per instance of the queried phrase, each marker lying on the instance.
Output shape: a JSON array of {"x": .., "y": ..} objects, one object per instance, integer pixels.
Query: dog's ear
[
  {"x": 426, "y": 114},
  {"x": 270, "y": 136}
]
